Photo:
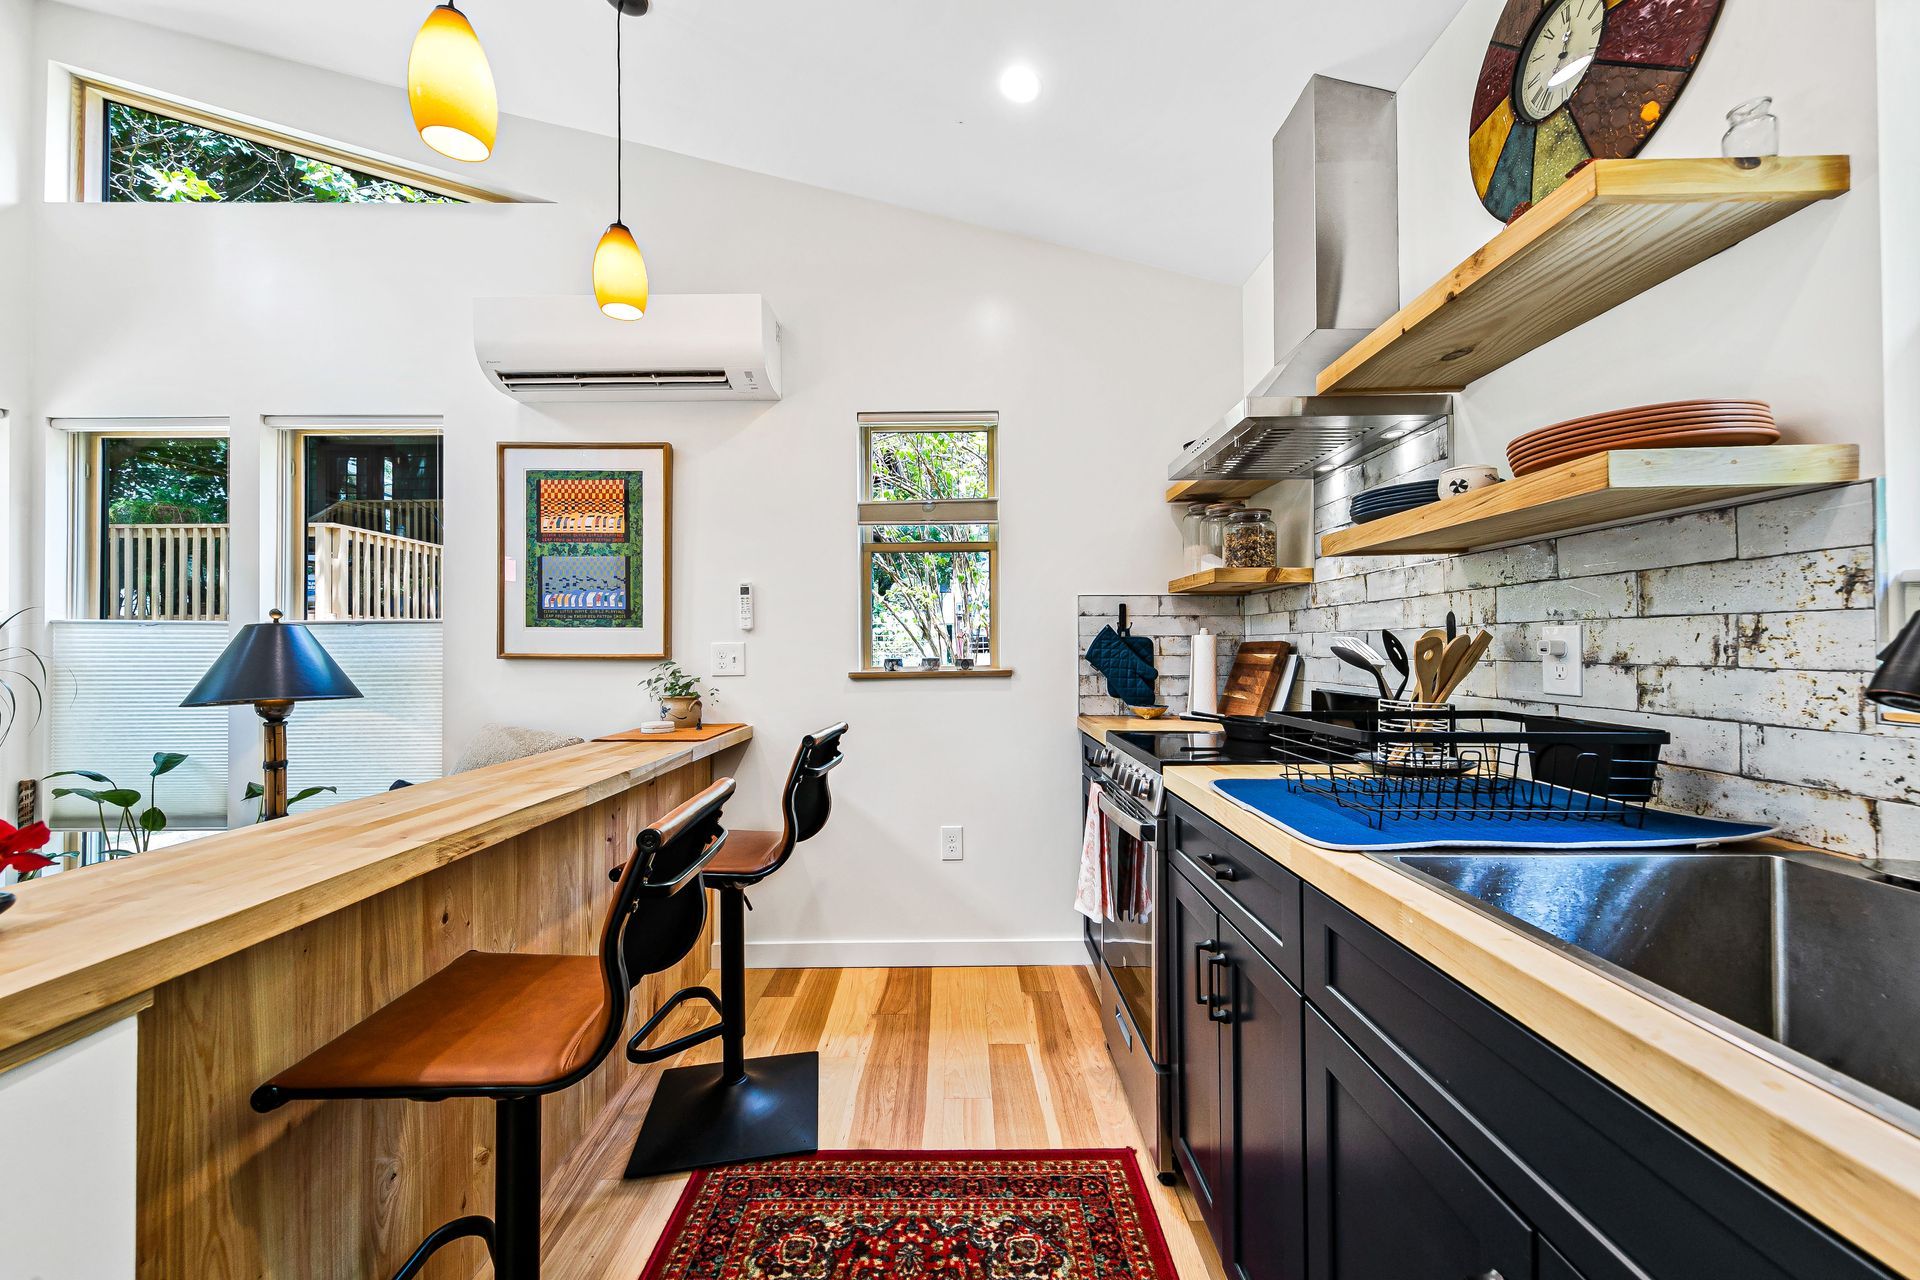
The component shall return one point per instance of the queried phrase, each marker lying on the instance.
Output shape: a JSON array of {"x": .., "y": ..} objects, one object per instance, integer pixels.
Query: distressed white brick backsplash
[
  {"x": 1745, "y": 633},
  {"x": 1171, "y": 622}
]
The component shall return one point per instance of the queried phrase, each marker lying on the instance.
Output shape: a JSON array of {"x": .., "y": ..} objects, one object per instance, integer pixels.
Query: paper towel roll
[{"x": 1203, "y": 681}]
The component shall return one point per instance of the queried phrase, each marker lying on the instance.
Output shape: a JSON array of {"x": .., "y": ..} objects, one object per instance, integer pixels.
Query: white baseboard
[{"x": 943, "y": 953}]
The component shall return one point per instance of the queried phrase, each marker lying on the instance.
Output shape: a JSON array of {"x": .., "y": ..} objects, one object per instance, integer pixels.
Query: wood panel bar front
[{"x": 345, "y": 1190}]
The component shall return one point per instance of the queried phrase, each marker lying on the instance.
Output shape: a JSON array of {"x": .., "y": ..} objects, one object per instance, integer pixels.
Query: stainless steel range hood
[{"x": 1336, "y": 276}]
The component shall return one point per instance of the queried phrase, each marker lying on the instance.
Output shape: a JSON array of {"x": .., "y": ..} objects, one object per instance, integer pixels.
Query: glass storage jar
[
  {"x": 1213, "y": 532},
  {"x": 1193, "y": 535},
  {"x": 1250, "y": 540},
  {"x": 1753, "y": 131}
]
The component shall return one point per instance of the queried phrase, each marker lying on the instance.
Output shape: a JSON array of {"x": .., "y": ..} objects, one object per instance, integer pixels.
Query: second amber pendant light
[{"x": 619, "y": 269}]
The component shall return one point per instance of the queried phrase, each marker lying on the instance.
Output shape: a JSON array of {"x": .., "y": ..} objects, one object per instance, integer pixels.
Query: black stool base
[{"x": 696, "y": 1121}]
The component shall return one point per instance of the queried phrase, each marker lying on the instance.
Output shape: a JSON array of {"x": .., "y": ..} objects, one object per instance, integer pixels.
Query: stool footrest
[
  {"x": 659, "y": 1053},
  {"x": 444, "y": 1234}
]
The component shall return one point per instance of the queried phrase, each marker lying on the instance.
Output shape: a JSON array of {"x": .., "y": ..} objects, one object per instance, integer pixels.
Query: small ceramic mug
[{"x": 1459, "y": 480}]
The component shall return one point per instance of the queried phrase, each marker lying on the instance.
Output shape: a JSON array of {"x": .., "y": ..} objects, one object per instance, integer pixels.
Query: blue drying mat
[{"x": 1322, "y": 821}]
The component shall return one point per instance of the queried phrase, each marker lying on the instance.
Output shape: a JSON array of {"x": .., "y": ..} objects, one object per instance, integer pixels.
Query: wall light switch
[
  {"x": 729, "y": 658},
  {"x": 1560, "y": 661},
  {"x": 953, "y": 846}
]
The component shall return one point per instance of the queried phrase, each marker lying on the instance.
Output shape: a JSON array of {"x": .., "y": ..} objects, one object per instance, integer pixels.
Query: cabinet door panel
[
  {"x": 1267, "y": 1211},
  {"x": 1387, "y": 1197},
  {"x": 1193, "y": 943}
]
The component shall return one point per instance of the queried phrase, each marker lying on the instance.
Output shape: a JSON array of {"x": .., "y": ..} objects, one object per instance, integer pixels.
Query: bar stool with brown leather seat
[
  {"x": 740, "y": 1108},
  {"x": 515, "y": 1027}
]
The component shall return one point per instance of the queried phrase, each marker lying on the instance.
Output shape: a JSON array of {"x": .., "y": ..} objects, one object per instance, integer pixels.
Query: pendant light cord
[{"x": 619, "y": 122}]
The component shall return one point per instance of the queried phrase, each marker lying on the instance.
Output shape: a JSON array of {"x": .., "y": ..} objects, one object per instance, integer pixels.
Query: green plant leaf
[
  {"x": 121, "y": 797},
  {"x": 153, "y": 820},
  {"x": 167, "y": 762},
  {"x": 308, "y": 793},
  {"x": 254, "y": 791},
  {"x": 88, "y": 774},
  {"x": 83, "y": 792}
]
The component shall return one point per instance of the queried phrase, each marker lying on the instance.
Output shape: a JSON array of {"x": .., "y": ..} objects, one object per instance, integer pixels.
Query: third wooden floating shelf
[
  {"x": 1237, "y": 582},
  {"x": 1616, "y": 229},
  {"x": 1604, "y": 489}
]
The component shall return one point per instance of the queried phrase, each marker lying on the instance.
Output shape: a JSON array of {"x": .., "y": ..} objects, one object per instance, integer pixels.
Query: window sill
[{"x": 944, "y": 673}]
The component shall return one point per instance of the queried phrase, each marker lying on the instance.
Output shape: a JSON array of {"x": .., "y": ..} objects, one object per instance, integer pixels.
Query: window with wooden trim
[
  {"x": 153, "y": 542},
  {"x": 135, "y": 147},
  {"x": 929, "y": 545}
]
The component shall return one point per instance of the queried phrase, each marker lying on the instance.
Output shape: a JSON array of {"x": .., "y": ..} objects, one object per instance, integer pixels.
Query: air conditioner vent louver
[
  {"x": 611, "y": 379},
  {"x": 689, "y": 346}
]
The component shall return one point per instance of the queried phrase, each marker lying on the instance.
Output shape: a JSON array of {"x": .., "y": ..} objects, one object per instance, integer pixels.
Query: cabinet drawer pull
[
  {"x": 1491, "y": 1273},
  {"x": 1218, "y": 1009},
  {"x": 1210, "y": 947},
  {"x": 1226, "y": 871}
]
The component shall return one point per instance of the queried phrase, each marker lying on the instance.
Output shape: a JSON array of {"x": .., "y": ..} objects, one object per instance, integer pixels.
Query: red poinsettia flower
[{"x": 17, "y": 846}]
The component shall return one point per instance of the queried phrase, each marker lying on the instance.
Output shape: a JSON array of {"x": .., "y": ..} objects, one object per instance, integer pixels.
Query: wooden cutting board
[
  {"x": 1257, "y": 668},
  {"x": 701, "y": 734}
]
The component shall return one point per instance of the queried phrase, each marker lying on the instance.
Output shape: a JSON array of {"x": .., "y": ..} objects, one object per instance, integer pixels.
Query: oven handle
[{"x": 1144, "y": 832}]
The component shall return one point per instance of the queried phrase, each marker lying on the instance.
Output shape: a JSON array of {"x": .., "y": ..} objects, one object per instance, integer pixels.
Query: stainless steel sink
[{"x": 1808, "y": 957}]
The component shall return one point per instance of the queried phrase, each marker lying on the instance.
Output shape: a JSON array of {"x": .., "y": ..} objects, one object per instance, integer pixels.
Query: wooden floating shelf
[
  {"x": 1616, "y": 229},
  {"x": 1237, "y": 582},
  {"x": 1215, "y": 490},
  {"x": 1604, "y": 489}
]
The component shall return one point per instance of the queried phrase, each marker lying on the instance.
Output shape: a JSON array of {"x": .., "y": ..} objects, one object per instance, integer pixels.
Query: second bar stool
[{"x": 740, "y": 1109}]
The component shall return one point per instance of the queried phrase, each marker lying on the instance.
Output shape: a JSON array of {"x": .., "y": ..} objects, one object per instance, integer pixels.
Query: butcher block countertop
[
  {"x": 85, "y": 941},
  {"x": 1098, "y": 727},
  {"x": 1838, "y": 1162}
]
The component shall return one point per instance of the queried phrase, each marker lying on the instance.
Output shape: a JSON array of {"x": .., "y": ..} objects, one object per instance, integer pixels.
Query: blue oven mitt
[{"x": 1127, "y": 663}]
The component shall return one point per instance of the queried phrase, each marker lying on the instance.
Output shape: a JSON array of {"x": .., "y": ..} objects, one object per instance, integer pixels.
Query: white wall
[
  {"x": 1095, "y": 367},
  {"x": 16, "y": 489},
  {"x": 1791, "y": 316},
  {"x": 1899, "y": 43}
]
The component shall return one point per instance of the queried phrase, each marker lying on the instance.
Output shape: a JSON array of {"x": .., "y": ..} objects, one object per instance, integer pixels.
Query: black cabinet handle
[
  {"x": 1210, "y": 947},
  {"x": 1220, "y": 1010},
  {"x": 1226, "y": 872},
  {"x": 1491, "y": 1273}
]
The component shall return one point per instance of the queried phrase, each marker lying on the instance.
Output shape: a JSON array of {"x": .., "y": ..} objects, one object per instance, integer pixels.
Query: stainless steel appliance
[
  {"x": 1336, "y": 276},
  {"x": 1124, "y": 949}
]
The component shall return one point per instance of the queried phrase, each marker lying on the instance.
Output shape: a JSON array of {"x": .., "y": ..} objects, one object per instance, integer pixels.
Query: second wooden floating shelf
[
  {"x": 1615, "y": 229},
  {"x": 1237, "y": 582},
  {"x": 1604, "y": 489}
]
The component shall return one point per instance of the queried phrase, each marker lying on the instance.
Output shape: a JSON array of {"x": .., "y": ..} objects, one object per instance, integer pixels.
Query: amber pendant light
[
  {"x": 450, "y": 88},
  {"x": 619, "y": 270}
]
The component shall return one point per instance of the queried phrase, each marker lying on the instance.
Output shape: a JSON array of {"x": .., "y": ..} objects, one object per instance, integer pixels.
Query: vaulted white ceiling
[{"x": 1149, "y": 141}]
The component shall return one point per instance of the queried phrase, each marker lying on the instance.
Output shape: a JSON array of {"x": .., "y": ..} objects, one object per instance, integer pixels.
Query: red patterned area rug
[{"x": 918, "y": 1215}]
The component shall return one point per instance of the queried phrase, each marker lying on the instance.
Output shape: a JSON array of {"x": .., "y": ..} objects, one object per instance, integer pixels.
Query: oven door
[{"x": 1126, "y": 937}]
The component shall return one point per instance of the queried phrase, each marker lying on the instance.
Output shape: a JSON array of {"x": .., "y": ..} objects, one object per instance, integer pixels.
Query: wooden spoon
[
  {"x": 1459, "y": 671},
  {"x": 1457, "y": 646},
  {"x": 1428, "y": 651}
]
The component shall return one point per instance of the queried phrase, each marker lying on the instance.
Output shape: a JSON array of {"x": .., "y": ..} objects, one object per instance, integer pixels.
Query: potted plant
[
  {"x": 126, "y": 832},
  {"x": 679, "y": 694}
]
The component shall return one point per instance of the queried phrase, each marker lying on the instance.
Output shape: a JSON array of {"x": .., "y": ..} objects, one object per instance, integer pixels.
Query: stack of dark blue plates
[{"x": 1392, "y": 499}]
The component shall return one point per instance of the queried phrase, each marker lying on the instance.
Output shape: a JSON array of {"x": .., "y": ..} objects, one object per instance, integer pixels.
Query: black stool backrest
[
  {"x": 653, "y": 913},
  {"x": 807, "y": 803}
]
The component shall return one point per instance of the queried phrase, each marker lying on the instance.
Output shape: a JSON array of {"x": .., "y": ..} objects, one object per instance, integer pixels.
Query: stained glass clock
[{"x": 1566, "y": 81}]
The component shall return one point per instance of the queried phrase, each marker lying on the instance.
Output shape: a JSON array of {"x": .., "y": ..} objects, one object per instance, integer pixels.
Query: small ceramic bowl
[
  {"x": 1458, "y": 480},
  {"x": 1148, "y": 713}
]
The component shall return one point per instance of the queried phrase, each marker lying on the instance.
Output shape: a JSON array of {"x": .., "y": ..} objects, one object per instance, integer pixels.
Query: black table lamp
[
  {"x": 272, "y": 665},
  {"x": 1897, "y": 683}
]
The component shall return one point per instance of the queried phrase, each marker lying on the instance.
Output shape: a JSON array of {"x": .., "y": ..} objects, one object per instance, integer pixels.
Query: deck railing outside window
[
  {"x": 362, "y": 574},
  {"x": 166, "y": 572}
]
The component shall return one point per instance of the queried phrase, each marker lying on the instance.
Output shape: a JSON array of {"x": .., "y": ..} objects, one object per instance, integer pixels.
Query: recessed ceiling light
[{"x": 1020, "y": 83}]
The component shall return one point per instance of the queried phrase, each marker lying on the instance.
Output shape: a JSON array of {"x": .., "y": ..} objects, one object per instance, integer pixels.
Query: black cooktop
[{"x": 1158, "y": 750}]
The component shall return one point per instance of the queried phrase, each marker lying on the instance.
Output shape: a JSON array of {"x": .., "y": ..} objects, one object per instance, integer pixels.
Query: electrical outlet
[
  {"x": 729, "y": 658},
  {"x": 953, "y": 844},
  {"x": 1560, "y": 661}
]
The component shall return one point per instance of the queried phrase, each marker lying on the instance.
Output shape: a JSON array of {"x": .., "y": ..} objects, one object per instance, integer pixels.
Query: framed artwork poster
[{"x": 585, "y": 550}]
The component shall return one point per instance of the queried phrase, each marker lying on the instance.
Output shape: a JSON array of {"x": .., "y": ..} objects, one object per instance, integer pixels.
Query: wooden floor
[{"x": 910, "y": 1058}]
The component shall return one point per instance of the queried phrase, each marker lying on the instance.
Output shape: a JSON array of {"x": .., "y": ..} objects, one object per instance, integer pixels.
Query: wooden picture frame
[{"x": 624, "y": 492}]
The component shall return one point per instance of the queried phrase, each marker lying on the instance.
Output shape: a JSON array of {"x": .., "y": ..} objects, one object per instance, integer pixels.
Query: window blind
[
  {"x": 364, "y": 745},
  {"x": 115, "y": 700}
]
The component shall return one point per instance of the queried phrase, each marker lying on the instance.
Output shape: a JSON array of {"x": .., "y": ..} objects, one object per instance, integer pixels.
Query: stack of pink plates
[{"x": 1683, "y": 424}]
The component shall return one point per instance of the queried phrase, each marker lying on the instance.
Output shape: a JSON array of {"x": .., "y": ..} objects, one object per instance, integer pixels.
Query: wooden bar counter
[{"x": 241, "y": 952}]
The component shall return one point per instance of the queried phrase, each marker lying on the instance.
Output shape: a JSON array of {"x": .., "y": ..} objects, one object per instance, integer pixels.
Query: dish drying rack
[{"x": 1410, "y": 760}]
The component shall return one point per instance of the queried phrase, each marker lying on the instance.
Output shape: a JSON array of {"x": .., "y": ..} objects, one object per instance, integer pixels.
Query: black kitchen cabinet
[
  {"x": 1387, "y": 1197},
  {"x": 1237, "y": 1111}
]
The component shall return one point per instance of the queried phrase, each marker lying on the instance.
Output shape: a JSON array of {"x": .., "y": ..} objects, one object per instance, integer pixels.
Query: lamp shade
[
  {"x": 271, "y": 662},
  {"x": 620, "y": 274},
  {"x": 450, "y": 88},
  {"x": 1897, "y": 683}
]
